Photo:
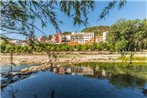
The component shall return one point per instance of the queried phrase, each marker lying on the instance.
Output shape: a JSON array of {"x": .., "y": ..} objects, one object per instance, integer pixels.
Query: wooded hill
[{"x": 98, "y": 30}]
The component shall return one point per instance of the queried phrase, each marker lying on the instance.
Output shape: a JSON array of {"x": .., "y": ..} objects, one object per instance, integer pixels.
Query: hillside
[
  {"x": 98, "y": 30},
  {"x": 66, "y": 33}
]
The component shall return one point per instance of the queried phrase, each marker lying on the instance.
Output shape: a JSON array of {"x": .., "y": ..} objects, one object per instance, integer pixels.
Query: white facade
[
  {"x": 68, "y": 37},
  {"x": 87, "y": 36},
  {"x": 14, "y": 41},
  {"x": 105, "y": 36},
  {"x": 82, "y": 37}
]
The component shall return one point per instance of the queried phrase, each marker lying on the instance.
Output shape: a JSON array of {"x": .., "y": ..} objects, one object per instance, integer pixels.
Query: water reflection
[
  {"x": 81, "y": 82},
  {"x": 119, "y": 80},
  {"x": 49, "y": 85},
  {"x": 74, "y": 70},
  {"x": 126, "y": 80}
]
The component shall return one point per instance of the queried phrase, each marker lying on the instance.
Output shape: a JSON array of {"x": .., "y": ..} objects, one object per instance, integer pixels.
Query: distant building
[
  {"x": 102, "y": 38},
  {"x": 23, "y": 43},
  {"x": 19, "y": 42},
  {"x": 66, "y": 38},
  {"x": 42, "y": 39},
  {"x": 105, "y": 36},
  {"x": 57, "y": 38},
  {"x": 16, "y": 42},
  {"x": 75, "y": 38},
  {"x": 61, "y": 38},
  {"x": 89, "y": 38},
  {"x": 82, "y": 38},
  {"x": 98, "y": 39}
]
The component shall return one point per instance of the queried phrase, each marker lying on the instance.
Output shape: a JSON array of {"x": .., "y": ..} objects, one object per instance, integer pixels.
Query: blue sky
[{"x": 132, "y": 10}]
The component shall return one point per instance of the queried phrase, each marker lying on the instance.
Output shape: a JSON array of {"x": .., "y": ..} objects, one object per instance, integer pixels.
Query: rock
[
  {"x": 58, "y": 65},
  {"x": 3, "y": 85},
  {"x": 14, "y": 73},
  {"x": 16, "y": 62},
  {"x": 36, "y": 68},
  {"x": 15, "y": 78},
  {"x": 3, "y": 80},
  {"x": 44, "y": 67},
  {"x": 24, "y": 76},
  {"x": 31, "y": 68},
  {"x": 144, "y": 91},
  {"x": 24, "y": 70},
  {"x": 103, "y": 73},
  {"x": 68, "y": 70},
  {"x": 4, "y": 74}
]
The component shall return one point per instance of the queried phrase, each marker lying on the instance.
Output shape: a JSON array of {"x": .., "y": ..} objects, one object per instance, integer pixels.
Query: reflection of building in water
[
  {"x": 75, "y": 70},
  {"x": 83, "y": 70}
]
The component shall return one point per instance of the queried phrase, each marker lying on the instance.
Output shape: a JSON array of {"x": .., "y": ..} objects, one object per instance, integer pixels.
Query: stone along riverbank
[
  {"x": 72, "y": 58},
  {"x": 13, "y": 76}
]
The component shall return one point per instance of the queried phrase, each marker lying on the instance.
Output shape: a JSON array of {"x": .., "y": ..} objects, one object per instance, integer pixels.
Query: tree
[
  {"x": 66, "y": 33},
  {"x": 18, "y": 17},
  {"x": 141, "y": 35},
  {"x": 78, "y": 47},
  {"x": 50, "y": 37},
  {"x": 3, "y": 47},
  {"x": 129, "y": 35},
  {"x": 99, "y": 46},
  {"x": 84, "y": 47},
  {"x": 121, "y": 45},
  {"x": 25, "y": 49},
  {"x": 98, "y": 30}
]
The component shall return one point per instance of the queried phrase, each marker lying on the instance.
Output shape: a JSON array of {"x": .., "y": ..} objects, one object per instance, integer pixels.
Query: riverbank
[{"x": 70, "y": 58}]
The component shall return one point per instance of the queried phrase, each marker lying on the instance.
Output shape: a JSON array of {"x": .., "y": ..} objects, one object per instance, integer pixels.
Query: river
[{"x": 81, "y": 81}]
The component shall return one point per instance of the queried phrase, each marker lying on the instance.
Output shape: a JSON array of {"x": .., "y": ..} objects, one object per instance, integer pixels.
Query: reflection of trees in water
[
  {"x": 52, "y": 94},
  {"x": 12, "y": 91},
  {"x": 117, "y": 68},
  {"x": 35, "y": 96},
  {"x": 123, "y": 76},
  {"x": 126, "y": 80},
  {"x": 139, "y": 70},
  {"x": 144, "y": 92}
]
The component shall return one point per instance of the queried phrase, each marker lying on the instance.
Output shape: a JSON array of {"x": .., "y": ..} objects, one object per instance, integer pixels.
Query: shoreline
[
  {"x": 66, "y": 58},
  {"x": 63, "y": 58}
]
